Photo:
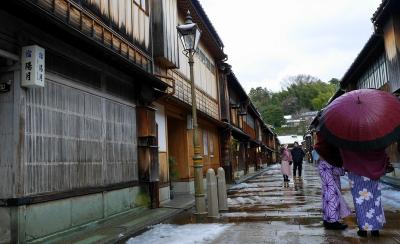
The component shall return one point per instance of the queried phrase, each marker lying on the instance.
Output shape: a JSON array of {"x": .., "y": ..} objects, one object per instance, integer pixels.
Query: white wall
[
  {"x": 204, "y": 78},
  {"x": 161, "y": 121}
]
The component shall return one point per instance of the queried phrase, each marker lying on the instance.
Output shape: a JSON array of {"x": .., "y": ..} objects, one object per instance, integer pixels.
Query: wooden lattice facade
[{"x": 100, "y": 138}]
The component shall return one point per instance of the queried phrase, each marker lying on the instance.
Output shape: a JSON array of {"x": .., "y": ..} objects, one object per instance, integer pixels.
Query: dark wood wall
[
  {"x": 130, "y": 18},
  {"x": 224, "y": 94},
  {"x": 121, "y": 26},
  {"x": 8, "y": 131},
  {"x": 77, "y": 132},
  {"x": 165, "y": 42},
  {"x": 392, "y": 46}
]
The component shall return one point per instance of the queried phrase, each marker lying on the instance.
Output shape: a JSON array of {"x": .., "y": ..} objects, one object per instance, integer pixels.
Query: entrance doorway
[{"x": 177, "y": 152}]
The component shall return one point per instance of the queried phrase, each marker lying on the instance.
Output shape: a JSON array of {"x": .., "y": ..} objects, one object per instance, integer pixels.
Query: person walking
[
  {"x": 297, "y": 156},
  {"x": 365, "y": 170},
  {"x": 334, "y": 207},
  {"x": 315, "y": 156},
  {"x": 362, "y": 123},
  {"x": 333, "y": 204},
  {"x": 286, "y": 161}
]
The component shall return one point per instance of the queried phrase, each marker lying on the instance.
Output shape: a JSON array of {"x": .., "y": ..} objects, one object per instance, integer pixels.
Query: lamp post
[{"x": 189, "y": 34}]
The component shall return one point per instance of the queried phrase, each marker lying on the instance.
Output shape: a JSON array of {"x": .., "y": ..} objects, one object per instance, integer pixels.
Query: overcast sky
[{"x": 269, "y": 40}]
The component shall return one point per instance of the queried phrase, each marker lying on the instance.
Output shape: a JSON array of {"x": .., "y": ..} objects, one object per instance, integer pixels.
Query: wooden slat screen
[
  {"x": 375, "y": 76},
  {"x": 121, "y": 25},
  {"x": 74, "y": 139},
  {"x": 183, "y": 93},
  {"x": 205, "y": 74}
]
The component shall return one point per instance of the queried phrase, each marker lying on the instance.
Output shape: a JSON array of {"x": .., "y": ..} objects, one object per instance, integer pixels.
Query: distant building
[
  {"x": 308, "y": 116},
  {"x": 293, "y": 121},
  {"x": 290, "y": 140}
]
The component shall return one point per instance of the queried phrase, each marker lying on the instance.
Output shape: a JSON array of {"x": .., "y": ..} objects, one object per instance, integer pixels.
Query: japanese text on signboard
[{"x": 33, "y": 66}]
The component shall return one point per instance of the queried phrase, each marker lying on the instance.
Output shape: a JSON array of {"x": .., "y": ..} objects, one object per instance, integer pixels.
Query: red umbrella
[
  {"x": 328, "y": 152},
  {"x": 362, "y": 120}
]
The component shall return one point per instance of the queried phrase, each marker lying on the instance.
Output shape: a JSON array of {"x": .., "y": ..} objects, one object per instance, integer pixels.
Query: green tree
[
  {"x": 260, "y": 96},
  {"x": 322, "y": 99},
  {"x": 335, "y": 82},
  {"x": 273, "y": 115},
  {"x": 300, "y": 93},
  {"x": 290, "y": 105}
]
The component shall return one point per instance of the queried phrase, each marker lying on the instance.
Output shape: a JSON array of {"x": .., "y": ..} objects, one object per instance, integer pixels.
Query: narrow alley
[{"x": 264, "y": 210}]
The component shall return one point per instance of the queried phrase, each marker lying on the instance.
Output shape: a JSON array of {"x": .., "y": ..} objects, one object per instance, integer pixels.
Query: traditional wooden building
[
  {"x": 247, "y": 142},
  {"x": 212, "y": 96},
  {"x": 78, "y": 147},
  {"x": 378, "y": 65},
  {"x": 174, "y": 111},
  {"x": 95, "y": 111}
]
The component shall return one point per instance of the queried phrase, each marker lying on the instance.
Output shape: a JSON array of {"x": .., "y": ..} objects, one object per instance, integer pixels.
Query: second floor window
[{"x": 375, "y": 76}]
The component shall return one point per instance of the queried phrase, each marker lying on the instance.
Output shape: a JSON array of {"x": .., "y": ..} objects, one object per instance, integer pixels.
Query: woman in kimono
[
  {"x": 334, "y": 207},
  {"x": 365, "y": 170},
  {"x": 286, "y": 159}
]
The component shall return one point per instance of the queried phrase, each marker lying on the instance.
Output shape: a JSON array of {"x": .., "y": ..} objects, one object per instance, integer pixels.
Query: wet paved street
[{"x": 264, "y": 210}]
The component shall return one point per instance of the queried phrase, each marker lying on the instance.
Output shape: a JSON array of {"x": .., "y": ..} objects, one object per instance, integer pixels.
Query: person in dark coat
[{"x": 297, "y": 156}]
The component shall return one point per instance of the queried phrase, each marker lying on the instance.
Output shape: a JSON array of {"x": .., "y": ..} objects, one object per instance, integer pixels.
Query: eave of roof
[
  {"x": 236, "y": 82},
  {"x": 378, "y": 13},
  {"x": 385, "y": 9},
  {"x": 379, "y": 18},
  {"x": 210, "y": 26},
  {"x": 209, "y": 35},
  {"x": 371, "y": 47}
]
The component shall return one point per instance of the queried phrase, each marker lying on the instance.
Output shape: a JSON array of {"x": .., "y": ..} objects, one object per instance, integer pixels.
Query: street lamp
[{"x": 189, "y": 34}]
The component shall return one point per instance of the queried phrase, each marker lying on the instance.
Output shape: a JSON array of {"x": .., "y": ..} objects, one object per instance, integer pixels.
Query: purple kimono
[
  {"x": 365, "y": 170},
  {"x": 334, "y": 206},
  {"x": 367, "y": 201}
]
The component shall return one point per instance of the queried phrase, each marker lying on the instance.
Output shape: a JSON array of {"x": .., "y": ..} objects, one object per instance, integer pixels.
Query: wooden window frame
[{"x": 375, "y": 76}]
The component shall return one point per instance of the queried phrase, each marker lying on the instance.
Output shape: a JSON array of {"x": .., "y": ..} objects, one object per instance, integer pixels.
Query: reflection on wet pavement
[
  {"x": 270, "y": 211},
  {"x": 265, "y": 210}
]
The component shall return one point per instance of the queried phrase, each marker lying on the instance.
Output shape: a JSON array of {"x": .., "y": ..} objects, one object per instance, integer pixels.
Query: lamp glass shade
[
  {"x": 190, "y": 36},
  {"x": 197, "y": 38}
]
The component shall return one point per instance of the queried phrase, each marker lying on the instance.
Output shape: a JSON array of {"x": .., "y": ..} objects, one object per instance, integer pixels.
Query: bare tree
[{"x": 297, "y": 79}]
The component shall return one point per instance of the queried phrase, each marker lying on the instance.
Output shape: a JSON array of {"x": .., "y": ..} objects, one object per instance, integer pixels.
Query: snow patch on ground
[
  {"x": 237, "y": 214},
  {"x": 182, "y": 234},
  {"x": 275, "y": 166},
  {"x": 273, "y": 213},
  {"x": 390, "y": 197},
  {"x": 240, "y": 201},
  {"x": 240, "y": 186}
]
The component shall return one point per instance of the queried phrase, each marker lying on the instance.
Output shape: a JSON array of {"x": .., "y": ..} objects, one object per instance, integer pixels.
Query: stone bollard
[
  {"x": 222, "y": 195},
  {"x": 212, "y": 194}
]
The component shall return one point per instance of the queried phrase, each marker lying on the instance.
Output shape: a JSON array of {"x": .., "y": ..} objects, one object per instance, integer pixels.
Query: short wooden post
[
  {"x": 212, "y": 194},
  {"x": 222, "y": 194}
]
